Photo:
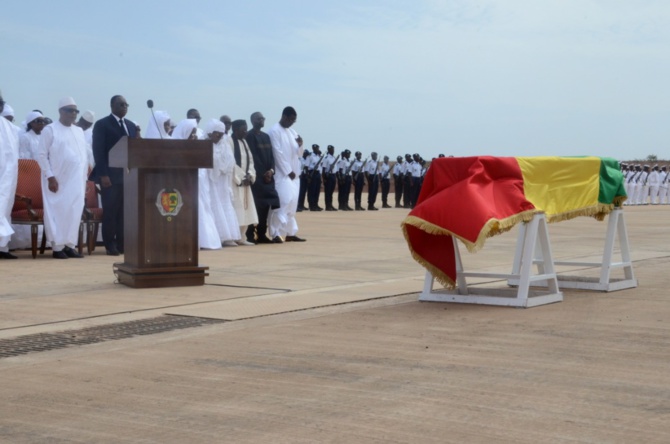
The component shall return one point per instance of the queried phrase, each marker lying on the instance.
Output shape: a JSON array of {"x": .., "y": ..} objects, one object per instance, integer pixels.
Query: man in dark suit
[{"x": 106, "y": 133}]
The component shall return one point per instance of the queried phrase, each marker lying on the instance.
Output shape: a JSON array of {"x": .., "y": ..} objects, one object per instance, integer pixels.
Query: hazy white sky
[{"x": 499, "y": 77}]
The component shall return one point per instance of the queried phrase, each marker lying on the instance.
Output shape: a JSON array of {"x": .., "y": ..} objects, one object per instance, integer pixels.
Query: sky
[{"x": 459, "y": 77}]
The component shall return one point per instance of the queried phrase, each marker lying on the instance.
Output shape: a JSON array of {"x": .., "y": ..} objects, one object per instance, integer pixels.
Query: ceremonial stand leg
[{"x": 532, "y": 236}]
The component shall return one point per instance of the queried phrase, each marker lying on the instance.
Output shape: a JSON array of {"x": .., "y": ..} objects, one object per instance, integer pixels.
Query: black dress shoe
[
  {"x": 277, "y": 240},
  {"x": 372, "y": 208},
  {"x": 264, "y": 240},
  {"x": 69, "y": 252},
  {"x": 7, "y": 255},
  {"x": 294, "y": 239},
  {"x": 386, "y": 206},
  {"x": 113, "y": 253},
  {"x": 59, "y": 255}
]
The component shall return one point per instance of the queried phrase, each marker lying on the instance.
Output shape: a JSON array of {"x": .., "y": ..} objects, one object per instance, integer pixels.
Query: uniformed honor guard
[
  {"x": 314, "y": 171},
  {"x": 358, "y": 179},
  {"x": 398, "y": 178},
  {"x": 302, "y": 192},
  {"x": 407, "y": 182},
  {"x": 385, "y": 175},
  {"x": 663, "y": 187},
  {"x": 371, "y": 171},
  {"x": 329, "y": 177},
  {"x": 344, "y": 181}
]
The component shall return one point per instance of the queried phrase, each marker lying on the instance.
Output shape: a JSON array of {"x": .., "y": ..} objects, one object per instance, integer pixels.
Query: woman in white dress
[
  {"x": 221, "y": 178},
  {"x": 30, "y": 139},
  {"x": 208, "y": 236},
  {"x": 158, "y": 127}
]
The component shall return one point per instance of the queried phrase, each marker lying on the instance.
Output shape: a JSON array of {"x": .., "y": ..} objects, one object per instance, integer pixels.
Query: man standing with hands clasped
[
  {"x": 106, "y": 132},
  {"x": 287, "y": 150}
]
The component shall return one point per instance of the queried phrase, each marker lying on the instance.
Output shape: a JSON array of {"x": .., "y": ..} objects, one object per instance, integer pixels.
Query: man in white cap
[
  {"x": 85, "y": 122},
  {"x": 8, "y": 113},
  {"x": 9, "y": 171},
  {"x": 62, "y": 158}
]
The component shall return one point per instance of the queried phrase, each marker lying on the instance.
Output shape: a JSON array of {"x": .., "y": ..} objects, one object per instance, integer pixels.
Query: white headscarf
[
  {"x": 156, "y": 128},
  {"x": 7, "y": 111},
  {"x": 184, "y": 129},
  {"x": 215, "y": 125}
]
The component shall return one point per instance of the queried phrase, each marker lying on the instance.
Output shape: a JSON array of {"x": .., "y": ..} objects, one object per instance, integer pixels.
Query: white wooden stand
[
  {"x": 534, "y": 237},
  {"x": 616, "y": 228}
]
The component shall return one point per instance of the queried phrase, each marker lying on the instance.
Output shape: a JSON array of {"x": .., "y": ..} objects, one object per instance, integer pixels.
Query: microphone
[{"x": 150, "y": 104}]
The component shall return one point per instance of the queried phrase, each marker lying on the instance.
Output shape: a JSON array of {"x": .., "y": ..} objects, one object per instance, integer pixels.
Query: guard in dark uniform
[
  {"x": 329, "y": 177},
  {"x": 314, "y": 178},
  {"x": 344, "y": 181},
  {"x": 303, "y": 180}
]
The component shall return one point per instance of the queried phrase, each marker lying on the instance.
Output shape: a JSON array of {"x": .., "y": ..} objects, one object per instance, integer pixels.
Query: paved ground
[{"x": 325, "y": 341}]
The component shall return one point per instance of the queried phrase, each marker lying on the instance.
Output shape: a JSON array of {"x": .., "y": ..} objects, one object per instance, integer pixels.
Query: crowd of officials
[{"x": 258, "y": 182}]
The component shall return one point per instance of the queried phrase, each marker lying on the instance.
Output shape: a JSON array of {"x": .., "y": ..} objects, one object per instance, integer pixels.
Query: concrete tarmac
[{"x": 325, "y": 341}]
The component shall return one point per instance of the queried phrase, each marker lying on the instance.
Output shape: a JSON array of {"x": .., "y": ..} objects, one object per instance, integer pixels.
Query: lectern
[{"x": 160, "y": 210}]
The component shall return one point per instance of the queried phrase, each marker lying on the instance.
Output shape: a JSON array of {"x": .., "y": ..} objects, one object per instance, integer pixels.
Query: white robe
[
  {"x": 243, "y": 199},
  {"x": 208, "y": 236},
  {"x": 62, "y": 154},
  {"x": 28, "y": 145},
  {"x": 287, "y": 154},
  {"x": 9, "y": 172},
  {"x": 221, "y": 178}
]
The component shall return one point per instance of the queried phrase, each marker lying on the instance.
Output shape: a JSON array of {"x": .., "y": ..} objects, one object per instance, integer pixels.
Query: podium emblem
[{"x": 169, "y": 202}]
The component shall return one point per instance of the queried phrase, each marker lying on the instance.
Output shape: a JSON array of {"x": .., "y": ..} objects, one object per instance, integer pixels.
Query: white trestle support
[
  {"x": 533, "y": 248},
  {"x": 616, "y": 230}
]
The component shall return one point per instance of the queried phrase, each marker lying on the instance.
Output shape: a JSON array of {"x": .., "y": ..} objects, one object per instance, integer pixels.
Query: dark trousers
[
  {"x": 314, "y": 190},
  {"x": 261, "y": 230},
  {"x": 386, "y": 186},
  {"x": 359, "y": 181},
  {"x": 303, "y": 191},
  {"x": 112, "y": 217},
  {"x": 407, "y": 191},
  {"x": 416, "y": 190},
  {"x": 343, "y": 191},
  {"x": 329, "y": 189},
  {"x": 397, "y": 181},
  {"x": 373, "y": 186}
]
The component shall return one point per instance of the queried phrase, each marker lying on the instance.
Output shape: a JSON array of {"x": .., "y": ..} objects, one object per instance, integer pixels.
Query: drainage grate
[{"x": 51, "y": 341}]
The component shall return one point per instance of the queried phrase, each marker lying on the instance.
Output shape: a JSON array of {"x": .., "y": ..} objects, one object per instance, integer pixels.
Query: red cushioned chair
[
  {"x": 28, "y": 208},
  {"x": 92, "y": 216}
]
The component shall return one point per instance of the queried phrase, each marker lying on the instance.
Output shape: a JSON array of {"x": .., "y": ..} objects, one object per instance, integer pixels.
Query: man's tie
[{"x": 123, "y": 128}]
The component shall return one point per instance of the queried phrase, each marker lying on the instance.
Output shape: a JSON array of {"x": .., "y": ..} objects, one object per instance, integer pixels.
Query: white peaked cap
[
  {"x": 88, "y": 116},
  {"x": 66, "y": 101}
]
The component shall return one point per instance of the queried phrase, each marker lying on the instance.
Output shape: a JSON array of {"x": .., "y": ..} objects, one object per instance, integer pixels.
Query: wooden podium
[{"x": 160, "y": 210}]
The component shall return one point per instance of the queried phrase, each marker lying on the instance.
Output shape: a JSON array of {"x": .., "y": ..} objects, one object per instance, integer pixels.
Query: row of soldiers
[
  {"x": 343, "y": 172},
  {"x": 645, "y": 185}
]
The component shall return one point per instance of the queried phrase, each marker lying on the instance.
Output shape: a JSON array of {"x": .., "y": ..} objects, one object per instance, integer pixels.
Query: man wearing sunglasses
[
  {"x": 106, "y": 132},
  {"x": 61, "y": 155},
  {"x": 9, "y": 171}
]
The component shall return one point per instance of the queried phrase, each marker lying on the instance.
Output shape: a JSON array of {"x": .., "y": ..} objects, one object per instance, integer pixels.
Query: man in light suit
[{"x": 106, "y": 132}]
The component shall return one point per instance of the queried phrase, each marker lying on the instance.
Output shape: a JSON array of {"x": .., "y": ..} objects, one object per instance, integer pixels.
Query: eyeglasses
[
  {"x": 39, "y": 121},
  {"x": 70, "y": 110}
]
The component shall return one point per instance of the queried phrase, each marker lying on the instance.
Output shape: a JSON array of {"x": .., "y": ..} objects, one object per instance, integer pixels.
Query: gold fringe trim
[
  {"x": 438, "y": 274},
  {"x": 494, "y": 227}
]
